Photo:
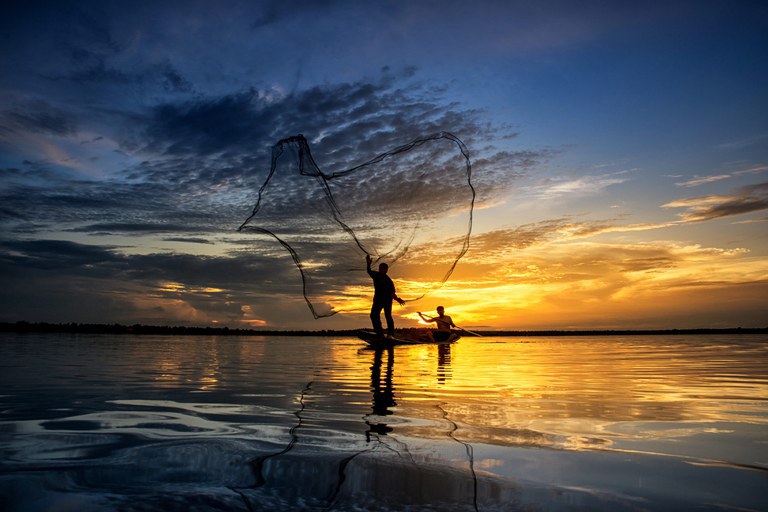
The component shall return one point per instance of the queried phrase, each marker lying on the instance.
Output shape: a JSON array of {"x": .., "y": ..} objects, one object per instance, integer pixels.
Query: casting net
[{"x": 410, "y": 207}]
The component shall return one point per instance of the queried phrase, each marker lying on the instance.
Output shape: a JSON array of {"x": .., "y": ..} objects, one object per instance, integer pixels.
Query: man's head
[
  {"x": 440, "y": 310},
  {"x": 383, "y": 268}
]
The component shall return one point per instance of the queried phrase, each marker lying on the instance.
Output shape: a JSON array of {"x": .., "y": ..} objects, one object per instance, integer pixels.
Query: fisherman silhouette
[{"x": 383, "y": 294}]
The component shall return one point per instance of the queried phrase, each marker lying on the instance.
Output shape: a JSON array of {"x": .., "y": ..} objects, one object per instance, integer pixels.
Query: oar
[{"x": 468, "y": 331}]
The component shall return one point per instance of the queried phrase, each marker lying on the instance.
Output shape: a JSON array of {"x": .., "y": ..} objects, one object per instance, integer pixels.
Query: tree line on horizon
[{"x": 179, "y": 330}]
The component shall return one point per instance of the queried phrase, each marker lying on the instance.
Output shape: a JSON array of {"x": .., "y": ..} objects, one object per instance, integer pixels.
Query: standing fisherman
[{"x": 383, "y": 294}]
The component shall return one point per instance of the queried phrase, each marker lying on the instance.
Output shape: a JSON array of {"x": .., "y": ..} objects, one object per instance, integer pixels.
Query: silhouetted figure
[
  {"x": 383, "y": 294},
  {"x": 443, "y": 323},
  {"x": 443, "y": 362},
  {"x": 383, "y": 393}
]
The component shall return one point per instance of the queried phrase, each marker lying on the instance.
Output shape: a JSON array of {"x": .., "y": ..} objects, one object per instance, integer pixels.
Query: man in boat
[
  {"x": 383, "y": 294},
  {"x": 443, "y": 323}
]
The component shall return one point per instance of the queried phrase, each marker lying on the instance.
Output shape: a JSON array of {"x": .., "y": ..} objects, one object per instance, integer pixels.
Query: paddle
[{"x": 468, "y": 331}]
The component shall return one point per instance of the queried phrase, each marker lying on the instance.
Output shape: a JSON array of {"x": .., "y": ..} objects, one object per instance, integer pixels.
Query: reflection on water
[
  {"x": 254, "y": 423},
  {"x": 383, "y": 393}
]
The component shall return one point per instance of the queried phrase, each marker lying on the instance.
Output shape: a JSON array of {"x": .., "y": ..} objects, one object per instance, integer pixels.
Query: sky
[{"x": 619, "y": 159}]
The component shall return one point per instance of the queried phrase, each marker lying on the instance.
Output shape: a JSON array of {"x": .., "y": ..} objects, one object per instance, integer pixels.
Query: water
[{"x": 99, "y": 422}]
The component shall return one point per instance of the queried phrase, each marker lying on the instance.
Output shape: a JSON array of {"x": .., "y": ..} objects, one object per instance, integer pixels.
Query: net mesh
[{"x": 410, "y": 207}]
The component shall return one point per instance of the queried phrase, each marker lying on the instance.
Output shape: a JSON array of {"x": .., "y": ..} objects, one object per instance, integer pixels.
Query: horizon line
[{"x": 116, "y": 328}]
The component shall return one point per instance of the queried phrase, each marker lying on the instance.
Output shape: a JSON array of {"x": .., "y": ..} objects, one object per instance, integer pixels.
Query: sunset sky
[{"x": 619, "y": 155}]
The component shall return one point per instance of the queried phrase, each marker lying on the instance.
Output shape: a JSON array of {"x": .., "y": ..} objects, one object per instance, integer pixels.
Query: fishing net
[{"x": 410, "y": 207}]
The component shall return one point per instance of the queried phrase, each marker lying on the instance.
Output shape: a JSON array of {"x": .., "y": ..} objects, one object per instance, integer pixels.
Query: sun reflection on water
[{"x": 326, "y": 419}]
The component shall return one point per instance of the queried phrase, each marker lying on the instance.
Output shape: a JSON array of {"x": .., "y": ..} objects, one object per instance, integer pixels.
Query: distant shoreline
[{"x": 78, "y": 328}]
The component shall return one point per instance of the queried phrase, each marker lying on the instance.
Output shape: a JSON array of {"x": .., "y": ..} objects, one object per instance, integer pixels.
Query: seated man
[{"x": 444, "y": 324}]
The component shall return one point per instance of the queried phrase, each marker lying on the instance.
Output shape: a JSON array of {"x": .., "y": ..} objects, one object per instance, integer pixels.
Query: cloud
[
  {"x": 193, "y": 156},
  {"x": 198, "y": 163},
  {"x": 576, "y": 283},
  {"x": 748, "y": 199},
  {"x": 188, "y": 240},
  {"x": 41, "y": 277},
  {"x": 701, "y": 180},
  {"x": 752, "y": 221},
  {"x": 501, "y": 243},
  {"x": 744, "y": 143},
  {"x": 55, "y": 254},
  {"x": 134, "y": 228},
  {"x": 207, "y": 126},
  {"x": 551, "y": 189},
  {"x": 496, "y": 173}
]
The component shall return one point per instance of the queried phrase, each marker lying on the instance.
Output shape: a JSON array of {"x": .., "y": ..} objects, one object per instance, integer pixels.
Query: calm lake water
[{"x": 99, "y": 422}]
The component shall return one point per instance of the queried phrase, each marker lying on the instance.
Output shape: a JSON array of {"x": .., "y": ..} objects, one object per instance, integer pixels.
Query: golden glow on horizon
[
  {"x": 583, "y": 284},
  {"x": 560, "y": 275}
]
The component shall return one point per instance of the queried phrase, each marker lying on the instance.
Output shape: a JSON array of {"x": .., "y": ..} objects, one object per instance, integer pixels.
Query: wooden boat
[{"x": 403, "y": 337}]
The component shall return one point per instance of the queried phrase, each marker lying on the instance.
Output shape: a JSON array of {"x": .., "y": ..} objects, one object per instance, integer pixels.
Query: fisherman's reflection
[
  {"x": 443, "y": 362},
  {"x": 383, "y": 393}
]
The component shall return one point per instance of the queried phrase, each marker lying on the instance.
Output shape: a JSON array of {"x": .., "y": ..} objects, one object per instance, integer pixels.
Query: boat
[{"x": 403, "y": 337}]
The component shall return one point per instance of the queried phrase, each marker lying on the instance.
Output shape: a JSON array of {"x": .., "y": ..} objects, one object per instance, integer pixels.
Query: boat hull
[{"x": 410, "y": 337}]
